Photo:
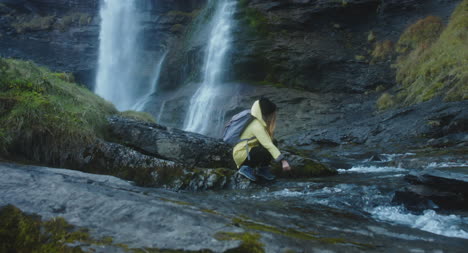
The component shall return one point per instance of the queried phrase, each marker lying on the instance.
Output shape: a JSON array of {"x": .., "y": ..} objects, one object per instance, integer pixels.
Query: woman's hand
[{"x": 286, "y": 166}]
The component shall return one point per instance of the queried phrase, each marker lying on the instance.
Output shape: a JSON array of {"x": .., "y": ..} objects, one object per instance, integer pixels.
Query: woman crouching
[{"x": 254, "y": 159}]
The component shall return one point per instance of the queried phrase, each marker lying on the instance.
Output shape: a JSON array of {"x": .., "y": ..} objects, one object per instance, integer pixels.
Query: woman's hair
[
  {"x": 270, "y": 121},
  {"x": 269, "y": 114}
]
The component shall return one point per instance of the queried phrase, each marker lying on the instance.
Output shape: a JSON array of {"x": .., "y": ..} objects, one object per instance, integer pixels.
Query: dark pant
[{"x": 259, "y": 157}]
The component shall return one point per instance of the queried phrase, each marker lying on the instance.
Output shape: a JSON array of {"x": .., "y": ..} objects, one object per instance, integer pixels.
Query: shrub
[
  {"x": 382, "y": 51},
  {"x": 421, "y": 33}
]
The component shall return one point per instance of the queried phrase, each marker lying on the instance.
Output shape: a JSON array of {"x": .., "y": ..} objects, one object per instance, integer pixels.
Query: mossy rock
[
  {"x": 140, "y": 116},
  {"x": 304, "y": 168},
  {"x": 28, "y": 233}
]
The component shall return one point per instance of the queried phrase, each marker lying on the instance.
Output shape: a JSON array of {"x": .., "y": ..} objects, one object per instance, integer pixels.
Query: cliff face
[
  {"x": 331, "y": 60},
  {"x": 324, "y": 46},
  {"x": 64, "y": 34}
]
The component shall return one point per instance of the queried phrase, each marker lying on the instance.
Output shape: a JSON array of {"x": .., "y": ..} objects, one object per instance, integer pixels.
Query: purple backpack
[{"x": 236, "y": 126}]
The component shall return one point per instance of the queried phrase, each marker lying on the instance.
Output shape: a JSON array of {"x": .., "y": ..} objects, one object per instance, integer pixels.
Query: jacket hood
[{"x": 256, "y": 111}]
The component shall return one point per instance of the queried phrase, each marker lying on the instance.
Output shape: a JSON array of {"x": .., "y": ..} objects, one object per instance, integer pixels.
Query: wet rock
[
  {"x": 432, "y": 188},
  {"x": 192, "y": 149}
]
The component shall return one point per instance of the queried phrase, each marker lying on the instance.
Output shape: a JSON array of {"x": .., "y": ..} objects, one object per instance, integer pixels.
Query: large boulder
[{"x": 191, "y": 149}]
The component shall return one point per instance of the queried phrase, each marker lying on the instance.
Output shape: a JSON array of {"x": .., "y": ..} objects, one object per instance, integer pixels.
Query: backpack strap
[{"x": 247, "y": 145}]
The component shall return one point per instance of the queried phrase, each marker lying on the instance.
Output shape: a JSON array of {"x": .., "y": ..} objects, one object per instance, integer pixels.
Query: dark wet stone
[{"x": 433, "y": 188}]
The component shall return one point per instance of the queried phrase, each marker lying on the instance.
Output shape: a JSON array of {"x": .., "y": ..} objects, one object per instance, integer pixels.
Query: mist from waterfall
[
  {"x": 205, "y": 114},
  {"x": 118, "y": 68}
]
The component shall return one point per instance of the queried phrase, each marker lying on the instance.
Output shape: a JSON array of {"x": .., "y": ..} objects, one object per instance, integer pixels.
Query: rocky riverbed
[{"x": 350, "y": 212}]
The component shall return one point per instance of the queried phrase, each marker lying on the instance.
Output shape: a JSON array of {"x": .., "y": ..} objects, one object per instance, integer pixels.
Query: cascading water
[
  {"x": 119, "y": 78},
  {"x": 140, "y": 105},
  {"x": 205, "y": 114}
]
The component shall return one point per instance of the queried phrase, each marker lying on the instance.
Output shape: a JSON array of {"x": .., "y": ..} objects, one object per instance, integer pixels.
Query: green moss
[
  {"x": 439, "y": 68},
  {"x": 292, "y": 233},
  {"x": 39, "y": 107},
  {"x": 26, "y": 233},
  {"x": 30, "y": 24},
  {"x": 360, "y": 58},
  {"x": 250, "y": 242},
  {"x": 254, "y": 19},
  {"x": 67, "y": 77},
  {"x": 182, "y": 203},
  {"x": 385, "y": 101},
  {"x": 141, "y": 116}
]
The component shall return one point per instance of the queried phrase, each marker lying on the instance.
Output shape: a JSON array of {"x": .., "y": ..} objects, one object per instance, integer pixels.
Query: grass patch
[
  {"x": 141, "y": 116},
  {"x": 250, "y": 242},
  {"x": 435, "y": 67},
  {"x": 40, "y": 110},
  {"x": 385, "y": 101}
]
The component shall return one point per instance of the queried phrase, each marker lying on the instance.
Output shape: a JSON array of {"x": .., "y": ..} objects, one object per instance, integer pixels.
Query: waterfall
[
  {"x": 140, "y": 105},
  {"x": 205, "y": 113},
  {"x": 119, "y": 53}
]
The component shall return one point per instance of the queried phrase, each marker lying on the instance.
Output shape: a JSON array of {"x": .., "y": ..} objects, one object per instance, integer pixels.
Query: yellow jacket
[{"x": 258, "y": 129}]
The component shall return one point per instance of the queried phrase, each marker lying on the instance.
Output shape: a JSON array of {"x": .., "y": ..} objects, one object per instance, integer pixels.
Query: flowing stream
[
  {"x": 349, "y": 212},
  {"x": 205, "y": 112}
]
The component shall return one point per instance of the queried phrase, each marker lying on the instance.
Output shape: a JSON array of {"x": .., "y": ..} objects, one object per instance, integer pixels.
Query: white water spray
[
  {"x": 205, "y": 114},
  {"x": 117, "y": 77}
]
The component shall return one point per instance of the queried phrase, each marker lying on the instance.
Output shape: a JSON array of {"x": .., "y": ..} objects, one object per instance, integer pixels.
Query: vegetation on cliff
[
  {"x": 38, "y": 107},
  {"x": 42, "y": 112},
  {"x": 434, "y": 60}
]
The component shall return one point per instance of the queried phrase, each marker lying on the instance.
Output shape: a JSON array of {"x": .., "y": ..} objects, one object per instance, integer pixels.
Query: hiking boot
[
  {"x": 247, "y": 172},
  {"x": 265, "y": 173}
]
